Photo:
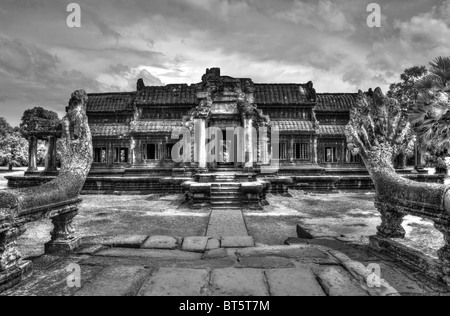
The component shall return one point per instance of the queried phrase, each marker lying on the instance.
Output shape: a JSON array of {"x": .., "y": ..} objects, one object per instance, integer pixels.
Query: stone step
[
  {"x": 230, "y": 198},
  {"x": 226, "y": 193},
  {"x": 226, "y": 185},
  {"x": 227, "y": 208},
  {"x": 225, "y": 203}
]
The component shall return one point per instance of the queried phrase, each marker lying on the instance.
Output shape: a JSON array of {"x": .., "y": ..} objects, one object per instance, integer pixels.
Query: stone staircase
[{"x": 226, "y": 196}]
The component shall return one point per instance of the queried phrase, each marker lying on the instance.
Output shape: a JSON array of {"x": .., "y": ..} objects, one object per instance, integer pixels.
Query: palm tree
[{"x": 430, "y": 115}]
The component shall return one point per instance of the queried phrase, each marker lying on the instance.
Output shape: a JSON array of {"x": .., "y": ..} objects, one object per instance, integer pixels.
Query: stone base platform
[
  {"x": 164, "y": 184},
  {"x": 13, "y": 277},
  {"x": 416, "y": 260},
  {"x": 168, "y": 266}
]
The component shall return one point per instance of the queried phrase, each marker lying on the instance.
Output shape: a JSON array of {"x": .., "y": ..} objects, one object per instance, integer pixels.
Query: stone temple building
[
  {"x": 132, "y": 131},
  {"x": 132, "y": 138}
]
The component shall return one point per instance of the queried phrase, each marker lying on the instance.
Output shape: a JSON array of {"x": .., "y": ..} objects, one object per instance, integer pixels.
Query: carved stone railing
[
  {"x": 57, "y": 200},
  {"x": 397, "y": 198}
]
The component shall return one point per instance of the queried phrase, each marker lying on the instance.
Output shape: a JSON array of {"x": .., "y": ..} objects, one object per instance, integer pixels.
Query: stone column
[
  {"x": 419, "y": 158},
  {"x": 391, "y": 222},
  {"x": 200, "y": 142},
  {"x": 32, "y": 154},
  {"x": 248, "y": 143},
  {"x": 132, "y": 151},
  {"x": 50, "y": 159},
  {"x": 264, "y": 147},
  {"x": 63, "y": 239},
  {"x": 315, "y": 150},
  {"x": 291, "y": 150}
]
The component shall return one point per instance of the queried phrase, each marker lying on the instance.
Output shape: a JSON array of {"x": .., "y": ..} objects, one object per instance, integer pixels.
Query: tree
[
  {"x": 430, "y": 114},
  {"x": 405, "y": 91},
  {"x": 39, "y": 120},
  {"x": 14, "y": 150},
  {"x": 5, "y": 128}
]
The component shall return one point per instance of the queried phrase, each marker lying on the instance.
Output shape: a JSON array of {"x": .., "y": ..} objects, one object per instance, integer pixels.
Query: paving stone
[
  {"x": 303, "y": 233},
  {"x": 161, "y": 242},
  {"x": 177, "y": 282},
  {"x": 238, "y": 242},
  {"x": 213, "y": 243},
  {"x": 294, "y": 282},
  {"x": 238, "y": 282},
  {"x": 195, "y": 244},
  {"x": 53, "y": 282},
  {"x": 226, "y": 223},
  {"x": 124, "y": 241},
  {"x": 116, "y": 281},
  {"x": 298, "y": 251},
  {"x": 337, "y": 282},
  {"x": 264, "y": 263},
  {"x": 216, "y": 254},
  {"x": 149, "y": 253},
  {"x": 221, "y": 263},
  {"x": 90, "y": 249}
]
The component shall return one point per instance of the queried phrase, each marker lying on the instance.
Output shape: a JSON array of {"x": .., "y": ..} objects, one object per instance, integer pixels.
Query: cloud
[
  {"x": 173, "y": 41},
  {"x": 25, "y": 60},
  {"x": 323, "y": 15}
]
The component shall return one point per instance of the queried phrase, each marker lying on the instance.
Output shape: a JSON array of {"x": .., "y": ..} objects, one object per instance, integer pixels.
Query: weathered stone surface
[
  {"x": 52, "y": 282},
  {"x": 161, "y": 242},
  {"x": 124, "y": 241},
  {"x": 226, "y": 223},
  {"x": 195, "y": 244},
  {"x": 151, "y": 254},
  {"x": 337, "y": 282},
  {"x": 116, "y": 281},
  {"x": 264, "y": 263},
  {"x": 303, "y": 233},
  {"x": 177, "y": 282},
  {"x": 294, "y": 282},
  {"x": 213, "y": 243},
  {"x": 298, "y": 251},
  {"x": 238, "y": 282},
  {"x": 216, "y": 254},
  {"x": 238, "y": 242},
  {"x": 90, "y": 249}
]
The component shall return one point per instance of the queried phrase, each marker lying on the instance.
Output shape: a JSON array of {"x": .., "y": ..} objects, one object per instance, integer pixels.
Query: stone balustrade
[
  {"x": 57, "y": 200},
  {"x": 397, "y": 198}
]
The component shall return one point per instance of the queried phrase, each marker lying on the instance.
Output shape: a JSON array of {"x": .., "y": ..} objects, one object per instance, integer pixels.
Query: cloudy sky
[{"x": 173, "y": 41}]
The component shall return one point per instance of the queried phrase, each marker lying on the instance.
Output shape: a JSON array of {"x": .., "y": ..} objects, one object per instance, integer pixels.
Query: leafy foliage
[
  {"x": 5, "y": 128},
  {"x": 39, "y": 120},
  {"x": 14, "y": 150},
  {"x": 406, "y": 91},
  {"x": 430, "y": 115}
]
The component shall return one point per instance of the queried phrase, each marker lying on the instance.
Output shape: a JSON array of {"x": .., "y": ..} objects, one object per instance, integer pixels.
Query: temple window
[
  {"x": 169, "y": 148},
  {"x": 301, "y": 151},
  {"x": 283, "y": 151},
  {"x": 100, "y": 155},
  {"x": 349, "y": 158},
  {"x": 121, "y": 155},
  {"x": 152, "y": 152},
  {"x": 331, "y": 155}
]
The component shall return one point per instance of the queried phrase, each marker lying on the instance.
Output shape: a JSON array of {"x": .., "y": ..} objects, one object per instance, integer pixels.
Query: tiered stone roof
[
  {"x": 110, "y": 102},
  {"x": 181, "y": 94},
  {"x": 284, "y": 94},
  {"x": 335, "y": 102},
  {"x": 294, "y": 126},
  {"x": 161, "y": 126},
  {"x": 332, "y": 130},
  {"x": 109, "y": 129}
]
